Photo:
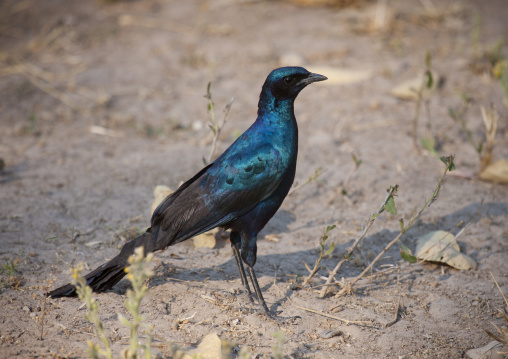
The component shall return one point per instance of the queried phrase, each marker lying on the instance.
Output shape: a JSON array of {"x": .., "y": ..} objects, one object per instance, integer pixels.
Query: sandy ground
[{"x": 140, "y": 68}]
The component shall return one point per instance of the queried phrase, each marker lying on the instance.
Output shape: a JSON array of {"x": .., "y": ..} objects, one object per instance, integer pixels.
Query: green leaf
[
  {"x": 330, "y": 250},
  {"x": 452, "y": 113},
  {"x": 124, "y": 321},
  {"x": 430, "y": 145},
  {"x": 208, "y": 93},
  {"x": 390, "y": 206},
  {"x": 401, "y": 221},
  {"x": 329, "y": 228},
  {"x": 430, "y": 80},
  {"x": 406, "y": 254},
  {"x": 448, "y": 161},
  {"x": 356, "y": 160}
]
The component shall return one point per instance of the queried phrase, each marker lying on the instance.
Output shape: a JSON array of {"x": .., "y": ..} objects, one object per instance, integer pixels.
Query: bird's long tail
[{"x": 110, "y": 273}]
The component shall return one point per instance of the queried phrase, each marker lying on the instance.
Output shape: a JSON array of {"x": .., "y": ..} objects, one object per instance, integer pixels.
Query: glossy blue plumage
[
  {"x": 241, "y": 190},
  {"x": 246, "y": 185}
]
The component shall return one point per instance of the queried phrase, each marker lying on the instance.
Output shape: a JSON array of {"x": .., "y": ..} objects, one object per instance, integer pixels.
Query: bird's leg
[
  {"x": 236, "y": 252},
  {"x": 256, "y": 288},
  {"x": 245, "y": 283},
  {"x": 235, "y": 246}
]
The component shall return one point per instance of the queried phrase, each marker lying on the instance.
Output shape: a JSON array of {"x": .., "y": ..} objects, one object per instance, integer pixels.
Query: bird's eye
[{"x": 288, "y": 80}]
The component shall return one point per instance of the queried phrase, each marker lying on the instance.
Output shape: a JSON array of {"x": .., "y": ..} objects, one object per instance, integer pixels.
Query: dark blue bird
[{"x": 241, "y": 190}]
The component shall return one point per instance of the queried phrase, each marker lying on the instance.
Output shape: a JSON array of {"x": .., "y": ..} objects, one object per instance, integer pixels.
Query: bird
[{"x": 241, "y": 190}]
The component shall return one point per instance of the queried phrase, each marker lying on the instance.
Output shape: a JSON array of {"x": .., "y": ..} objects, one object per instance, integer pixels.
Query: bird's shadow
[
  {"x": 12, "y": 173},
  {"x": 292, "y": 263}
]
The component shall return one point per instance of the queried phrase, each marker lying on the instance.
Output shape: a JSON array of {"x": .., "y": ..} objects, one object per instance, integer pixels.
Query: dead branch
[
  {"x": 391, "y": 191},
  {"x": 396, "y": 314},
  {"x": 449, "y": 166},
  {"x": 347, "y": 321}
]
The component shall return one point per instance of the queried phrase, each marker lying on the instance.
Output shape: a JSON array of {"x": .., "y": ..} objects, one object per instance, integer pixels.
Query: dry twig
[
  {"x": 391, "y": 192},
  {"x": 490, "y": 120},
  {"x": 449, "y": 167},
  {"x": 503, "y": 333},
  {"x": 41, "y": 79},
  {"x": 346, "y": 321},
  {"x": 321, "y": 255},
  {"x": 214, "y": 125},
  {"x": 395, "y": 315},
  {"x": 313, "y": 177}
]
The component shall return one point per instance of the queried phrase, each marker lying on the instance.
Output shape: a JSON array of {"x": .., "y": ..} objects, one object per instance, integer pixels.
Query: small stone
[
  {"x": 197, "y": 125},
  {"x": 327, "y": 334}
]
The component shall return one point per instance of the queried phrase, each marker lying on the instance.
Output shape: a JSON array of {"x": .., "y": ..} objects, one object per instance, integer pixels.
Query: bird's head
[{"x": 286, "y": 82}]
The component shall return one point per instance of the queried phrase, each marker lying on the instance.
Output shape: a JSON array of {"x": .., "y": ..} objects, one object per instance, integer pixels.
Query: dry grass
[{"x": 502, "y": 332}]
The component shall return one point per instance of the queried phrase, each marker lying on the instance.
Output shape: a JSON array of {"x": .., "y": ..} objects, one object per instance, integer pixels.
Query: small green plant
[
  {"x": 430, "y": 145},
  {"x": 92, "y": 315},
  {"x": 9, "y": 277},
  {"x": 484, "y": 147},
  {"x": 322, "y": 253},
  {"x": 388, "y": 205},
  {"x": 10, "y": 267},
  {"x": 214, "y": 125},
  {"x": 31, "y": 126},
  {"x": 501, "y": 73},
  {"x": 44, "y": 298},
  {"x": 476, "y": 34},
  {"x": 278, "y": 347},
  {"x": 137, "y": 274},
  {"x": 313, "y": 177},
  {"x": 427, "y": 84},
  {"x": 458, "y": 116},
  {"x": 450, "y": 166},
  {"x": 343, "y": 187},
  {"x": 244, "y": 353},
  {"x": 404, "y": 251}
]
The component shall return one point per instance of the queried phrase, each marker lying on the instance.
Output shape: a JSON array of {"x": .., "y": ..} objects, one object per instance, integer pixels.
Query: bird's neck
[
  {"x": 278, "y": 112},
  {"x": 276, "y": 121}
]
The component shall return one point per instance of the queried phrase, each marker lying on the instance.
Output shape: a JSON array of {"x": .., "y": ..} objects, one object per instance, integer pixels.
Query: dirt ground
[{"x": 138, "y": 70}]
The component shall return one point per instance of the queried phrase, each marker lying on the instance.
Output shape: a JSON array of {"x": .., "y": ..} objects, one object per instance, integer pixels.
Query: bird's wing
[
  {"x": 157, "y": 215},
  {"x": 219, "y": 193}
]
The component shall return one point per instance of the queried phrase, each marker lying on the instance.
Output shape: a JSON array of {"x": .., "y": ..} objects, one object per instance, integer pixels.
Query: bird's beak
[{"x": 312, "y": 78}]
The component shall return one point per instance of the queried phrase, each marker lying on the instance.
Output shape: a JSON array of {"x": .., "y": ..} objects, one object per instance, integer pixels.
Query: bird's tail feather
[{"x": 110, "y": 273}]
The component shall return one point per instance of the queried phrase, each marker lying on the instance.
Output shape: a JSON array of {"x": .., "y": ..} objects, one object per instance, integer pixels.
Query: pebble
[{"x": 330, "y": 333}]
